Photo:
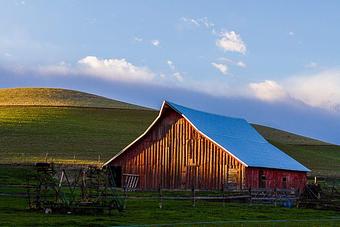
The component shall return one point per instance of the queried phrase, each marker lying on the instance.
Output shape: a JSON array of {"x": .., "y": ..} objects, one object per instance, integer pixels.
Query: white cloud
[
  {"x": 228, "y": 61},
  {"x": 59, "y": 69},
  {"x": 268, "y": 90},
  {"x": 155, "y": 42},
  {"x": 137, "y": 39},
  {"x": 206, "y": 22},
  {"x": 178, "y": 76},
  {"x": 318, "y": 90},
  {"x": 117, "y": 69},
  {"x": 291, "y": 33},
  {"x": 170, "y": 64},
  {"x": 199, "y": 22},
  {"x": 109, "y": 69},
  {"x": 20, "y": 3},
  {"x": 241, "y": 64},
  {"x": 231, "y": 41},
  {"x": 6, "y": 54},
  {"x": 221, "y": 67},
  {"x": 190, "y": 21},
  {"x": 312, "y": 65}
]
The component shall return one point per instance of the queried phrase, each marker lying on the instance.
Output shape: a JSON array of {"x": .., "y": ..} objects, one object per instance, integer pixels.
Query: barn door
[
  {"x": 233, "y": 176},
  {"x": 262, "y": 179},
  {"x": 116, "y": 176}
]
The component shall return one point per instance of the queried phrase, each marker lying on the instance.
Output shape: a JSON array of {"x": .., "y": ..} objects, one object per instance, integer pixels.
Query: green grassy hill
[
  {"x": 322, "y": 158},
  {"x": 284, "y": 137},
  {"x": 38, "y": 123},
  {"x": 58, "y": 97}
]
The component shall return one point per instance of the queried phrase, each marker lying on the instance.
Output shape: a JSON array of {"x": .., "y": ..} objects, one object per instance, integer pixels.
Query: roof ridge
[
  {"x": 238, "y": 137},
  {"x": 202, "y": 111}
]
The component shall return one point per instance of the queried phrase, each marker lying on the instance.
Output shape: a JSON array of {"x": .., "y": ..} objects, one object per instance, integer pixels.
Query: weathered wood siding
[
  {"x": 275, "y": 178},
  {"x": 174, "y": 155}
]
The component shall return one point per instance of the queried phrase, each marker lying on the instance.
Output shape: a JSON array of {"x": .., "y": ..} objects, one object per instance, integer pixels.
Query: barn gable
[
  {"x": 173, "y": 154},
  {"x": 235, "y": 136}
]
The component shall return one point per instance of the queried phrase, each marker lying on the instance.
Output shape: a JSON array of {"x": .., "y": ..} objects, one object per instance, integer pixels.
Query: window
[
  {"x": 262, "y": 179},
  {"x": 284, "y": 182}
]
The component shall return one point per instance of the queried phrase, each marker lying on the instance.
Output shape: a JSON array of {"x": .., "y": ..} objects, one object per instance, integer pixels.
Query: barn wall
[
  {"x": 174, "y": 155},
  {"x": 274, "y": 178}
]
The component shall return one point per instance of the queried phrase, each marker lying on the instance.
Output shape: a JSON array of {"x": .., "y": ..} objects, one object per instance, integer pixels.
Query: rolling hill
[
  {"x": 38, "y": 123},
  {"x": 58, "y": 97},
  {"x": 284, "y": 137}
]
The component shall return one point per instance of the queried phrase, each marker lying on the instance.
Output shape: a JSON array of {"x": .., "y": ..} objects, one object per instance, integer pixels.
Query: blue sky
[{"x": 272, "y": 62}]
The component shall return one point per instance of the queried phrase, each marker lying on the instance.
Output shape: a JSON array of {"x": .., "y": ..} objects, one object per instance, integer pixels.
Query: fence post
[
  {"x": 126, "y": 196},
  {"x": 223, "y": 195},
  {"x": 193, "y": 196},
  {"x": 46, "y": 156},
  {"x": 275, "y": 197},
  {"x": 160, "y": 198}
]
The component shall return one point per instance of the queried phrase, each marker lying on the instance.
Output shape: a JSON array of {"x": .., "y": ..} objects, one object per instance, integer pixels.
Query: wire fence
[{"x": 208, "y": 201}]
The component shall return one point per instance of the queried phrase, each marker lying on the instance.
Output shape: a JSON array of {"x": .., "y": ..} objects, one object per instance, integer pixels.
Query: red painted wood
[
  {"x": 274, "y": 178},
  {"x": 174, "y": 155}
]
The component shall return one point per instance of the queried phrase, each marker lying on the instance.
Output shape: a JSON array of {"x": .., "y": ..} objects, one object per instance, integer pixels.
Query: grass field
[
  {"x": 48, "y": 127},
  {"x": 58, "y": 97},
  {"x": 88, "y": 134},
  {"x": 65, "y": 132},
  {"x": 284, "y": 137},
  {"x": 176, "y": 213},
  {"x": 75, "y": 127},
  {"x": 14, "y": 212},
  {"x": 323, "y": 160}
]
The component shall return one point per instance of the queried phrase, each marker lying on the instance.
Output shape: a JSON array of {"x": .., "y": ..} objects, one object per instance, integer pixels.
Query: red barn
[{"x": 185, "y": 148}]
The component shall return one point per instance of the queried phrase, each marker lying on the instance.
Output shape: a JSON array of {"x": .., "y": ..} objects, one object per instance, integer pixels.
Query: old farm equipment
[
  {"x": 324, "y": 197},
  {"x": 80, "y": 190}
]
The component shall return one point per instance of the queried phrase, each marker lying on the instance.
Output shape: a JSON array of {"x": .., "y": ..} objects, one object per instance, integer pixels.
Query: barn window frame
[
  {"x": 284, "y": 182},
  {"x": 262, "y": 179}
]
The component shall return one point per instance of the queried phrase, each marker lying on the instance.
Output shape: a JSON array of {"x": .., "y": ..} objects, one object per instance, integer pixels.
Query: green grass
[
  {"x": 323, "y": 160},
  {"x": 58, "y": 97},
  {"x": 36, "y": 122},
  {"x": 28, "y": 133},
  {"x": 14, "y": 212},
  {"x": 65, "y": 132},
  {"x": 45, "y": 127},
  {"x": 284, "y": 137}
]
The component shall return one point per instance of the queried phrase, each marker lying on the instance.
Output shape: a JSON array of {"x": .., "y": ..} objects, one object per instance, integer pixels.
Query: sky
[{"x": 275, "y": 63}]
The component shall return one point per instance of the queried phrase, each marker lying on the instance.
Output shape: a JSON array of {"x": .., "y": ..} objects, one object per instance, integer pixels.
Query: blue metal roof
[{"x": 239, "y": 138}]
